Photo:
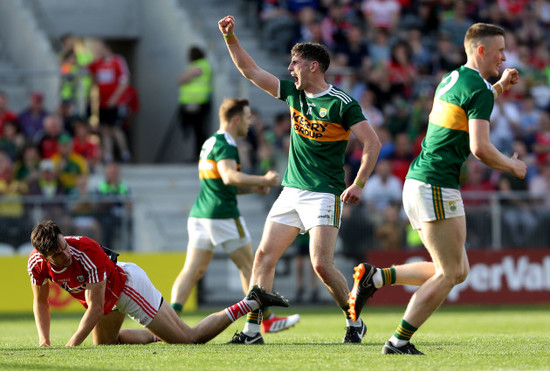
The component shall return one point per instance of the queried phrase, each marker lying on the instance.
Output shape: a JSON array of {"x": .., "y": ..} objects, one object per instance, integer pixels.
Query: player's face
[
  {"x": 299, "y": 69},
  {"x": 62, "y": 256},
  {"x": 494, "y": 56},
  {"x": 245, "y": 122}
]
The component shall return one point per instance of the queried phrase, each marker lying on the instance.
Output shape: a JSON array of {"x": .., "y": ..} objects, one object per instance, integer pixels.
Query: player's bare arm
[
  {"x": 371, "y": 148},
  {"x": 231, "y": 176},
  {"x": 95, "y": 298},
  {"x": 486, "y": 152},
  {"x": 41, "y": 310},
  {"x": 244, "y": 62}
]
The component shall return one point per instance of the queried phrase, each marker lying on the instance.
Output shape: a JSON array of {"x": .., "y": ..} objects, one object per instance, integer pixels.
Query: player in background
[
  {"x": 215, "y": 219},
  {"x": 458, "y": 125},
  {"x": 323, "y": 117},
  {"x": 109, "y": 291}
]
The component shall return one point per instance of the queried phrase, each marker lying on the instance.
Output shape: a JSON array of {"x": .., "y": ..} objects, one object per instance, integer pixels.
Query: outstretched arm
[
  {"x": 41, "y": 310},
  {"x": 95, "y": 299},
  {"x": 246, "y": 65},
  {"x": 230, "y": 176},
  {"x": 371, "y": 148}
]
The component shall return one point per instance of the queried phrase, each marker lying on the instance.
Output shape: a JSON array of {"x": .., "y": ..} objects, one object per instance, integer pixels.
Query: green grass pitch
[{"x": 455, "y": 338}]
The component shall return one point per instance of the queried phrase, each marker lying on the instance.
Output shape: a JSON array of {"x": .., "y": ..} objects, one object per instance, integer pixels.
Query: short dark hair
[
  {"x": 195, "y": 53},
  {"x": 478, "y": 32},
  {"x": 313, "y": 52},
  {"x": 231, "y": 107},
  {"x": 45, "y": 237}
]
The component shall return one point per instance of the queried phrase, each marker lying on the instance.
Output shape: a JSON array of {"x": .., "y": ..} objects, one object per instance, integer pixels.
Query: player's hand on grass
[
  {"x": 272, "y": 179},
  {"x": 226, "y": 25}
]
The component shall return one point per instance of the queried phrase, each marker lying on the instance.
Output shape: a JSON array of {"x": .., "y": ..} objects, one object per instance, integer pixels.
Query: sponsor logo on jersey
[{"x": 322, "y": 131}]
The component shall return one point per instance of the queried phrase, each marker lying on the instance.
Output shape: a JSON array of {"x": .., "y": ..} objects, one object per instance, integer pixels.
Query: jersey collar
[
  {"x": 228, "y": 136},
  {"x": 319, "y": 94}
]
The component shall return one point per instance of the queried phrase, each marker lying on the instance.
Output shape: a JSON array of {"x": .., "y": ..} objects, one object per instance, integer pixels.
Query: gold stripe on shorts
[
  {"x": 239, "y": 227},
  {"x": 337, "y": 211},
  {"x": 437, "y": 199}
]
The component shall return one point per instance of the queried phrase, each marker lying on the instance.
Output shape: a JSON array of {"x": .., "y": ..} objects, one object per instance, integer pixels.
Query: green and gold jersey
[
  {"x": 319, "y": 136},
  {"x": 216, "y": 200},
  {"x": 462, "y": 94}
]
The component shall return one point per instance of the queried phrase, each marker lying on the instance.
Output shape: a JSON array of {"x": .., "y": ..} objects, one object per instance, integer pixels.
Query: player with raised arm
[
  {"x": 215, "y": 219},
  {"x": 323, "y": 117},
  {"x": 458, "y": 125},
  {"x": 109, "y": 291}
]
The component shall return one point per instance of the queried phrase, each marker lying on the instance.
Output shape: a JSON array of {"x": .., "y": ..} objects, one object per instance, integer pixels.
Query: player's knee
[
  {"x": 265, "y": 259},
  {"x": 456, "y": 276},
  {"x": 323, "y": 270}
]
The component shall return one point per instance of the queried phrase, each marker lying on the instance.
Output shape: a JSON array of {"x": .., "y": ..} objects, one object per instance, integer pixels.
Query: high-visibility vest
[{"x": 197, "y": 91}]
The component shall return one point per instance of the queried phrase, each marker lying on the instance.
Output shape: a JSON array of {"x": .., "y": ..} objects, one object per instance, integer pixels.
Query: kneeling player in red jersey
[{"x": 109, "y": 291}]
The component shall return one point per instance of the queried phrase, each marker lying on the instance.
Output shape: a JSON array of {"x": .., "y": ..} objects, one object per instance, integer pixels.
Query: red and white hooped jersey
[
  {"x": 90, "y": 265},
  {"x": 108, "y": 74}
]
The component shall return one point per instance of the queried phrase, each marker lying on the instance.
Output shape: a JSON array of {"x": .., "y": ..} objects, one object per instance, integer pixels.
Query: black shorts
[{"x": 108, "y": 116}]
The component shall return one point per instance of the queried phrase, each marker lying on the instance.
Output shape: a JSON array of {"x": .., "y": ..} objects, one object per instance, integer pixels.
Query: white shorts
[
  {"x": 424, "y": 202},
  {"x": 139, "y": 299},
  {"x": 306, "y": 209},
  {"x": 207, "y": 234}
]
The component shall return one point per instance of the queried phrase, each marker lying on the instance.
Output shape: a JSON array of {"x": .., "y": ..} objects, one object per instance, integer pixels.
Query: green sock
[
  {"x": 404, "y": 331},
  {"x": 388, "y": 276},
  {"x": 267, "y": 312},
  {"x": 177, "y": 307}
]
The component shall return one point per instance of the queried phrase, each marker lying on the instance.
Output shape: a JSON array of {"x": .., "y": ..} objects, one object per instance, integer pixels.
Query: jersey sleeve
[
  {"x": 481, "y": 105},
  {"x": 35, "y": 268},
  {"x": 92, "y": 258},
  {"x": 352, "y": 115},
  {"x": 286, "y": 87},
  {"x": 226, "y": 152}
]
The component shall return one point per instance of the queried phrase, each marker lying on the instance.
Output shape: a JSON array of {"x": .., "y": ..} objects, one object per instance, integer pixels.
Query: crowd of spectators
[
  {"x": 390, "y": 55},
  {"x": 48, "y": 156}
]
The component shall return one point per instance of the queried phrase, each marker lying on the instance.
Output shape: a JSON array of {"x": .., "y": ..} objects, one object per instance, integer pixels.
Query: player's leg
[
  {"x": 322, "y": 244},
  {"x": 444, "y": 240},
  {"x": 167, "y": 325},
  {"x": 196, "y": 263},
  {"x": 276, "y": 239},
  {"x": 243, "y": 258},
  {"x": 107, "y": 331}
]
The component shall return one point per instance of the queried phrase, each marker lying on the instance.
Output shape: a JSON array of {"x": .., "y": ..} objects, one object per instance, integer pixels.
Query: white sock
[
  {"x": 397, "y": 342},
  {"x": 251, "y": 329},
  {"x": 350, "y": 323},
  {"x": 377, "y": 278}
]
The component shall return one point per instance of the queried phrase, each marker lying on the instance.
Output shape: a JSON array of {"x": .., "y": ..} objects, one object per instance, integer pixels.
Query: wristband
[
  {"x": 229, "y": 35},
  {"x": 501, "y": 86},
  {"x": 359, "y": 184}
]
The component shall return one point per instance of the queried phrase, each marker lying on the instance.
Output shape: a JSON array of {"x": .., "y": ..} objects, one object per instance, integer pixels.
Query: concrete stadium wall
[{"x": 29, "y": 49}]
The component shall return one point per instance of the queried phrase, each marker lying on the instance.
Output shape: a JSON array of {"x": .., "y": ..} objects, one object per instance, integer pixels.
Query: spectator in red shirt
[
  {"x": 84, "y": 142},
  {"x": 46, "y": 140},
  {"x": 92, "y": 275},
  {"x": 5, "y": 113},
  {"x": 110, "y": 73}
]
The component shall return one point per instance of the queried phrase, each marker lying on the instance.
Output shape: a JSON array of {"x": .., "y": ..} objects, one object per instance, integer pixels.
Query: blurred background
[{"x": 124, "y": 171}]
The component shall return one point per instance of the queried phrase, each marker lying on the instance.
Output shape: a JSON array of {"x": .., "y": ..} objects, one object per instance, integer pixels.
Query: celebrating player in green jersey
[
  {"x": 214, "y": 219},
  {"x": 458, "y": 125},
  {"x": 314, "y": 188}
]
